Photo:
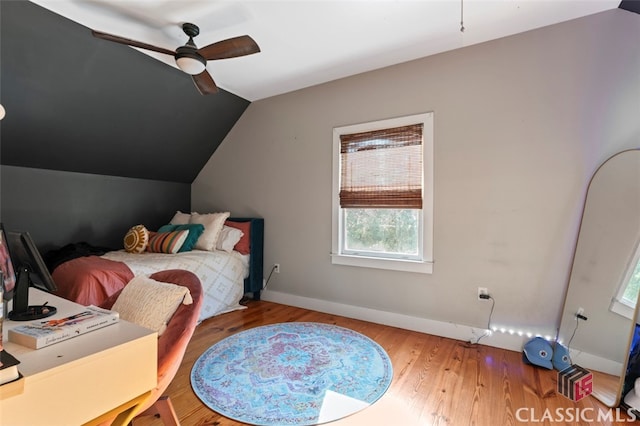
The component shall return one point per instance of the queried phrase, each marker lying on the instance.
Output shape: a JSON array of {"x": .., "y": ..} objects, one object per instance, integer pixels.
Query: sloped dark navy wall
[{"x": 80, "y": 106}]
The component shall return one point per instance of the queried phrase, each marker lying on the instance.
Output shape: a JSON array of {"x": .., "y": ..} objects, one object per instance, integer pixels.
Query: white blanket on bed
[{"x": 222, "y": 274}]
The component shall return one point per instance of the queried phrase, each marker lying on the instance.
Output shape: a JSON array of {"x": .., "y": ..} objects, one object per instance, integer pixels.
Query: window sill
[
  {"x": 622, "y": 309},
  {"x": 421, "y": 267}
]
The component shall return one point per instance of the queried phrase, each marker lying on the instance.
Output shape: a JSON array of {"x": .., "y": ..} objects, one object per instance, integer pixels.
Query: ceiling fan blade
[
  {"x": 230, "y": 48},
  {"x": 205, "y": 84},
  {"x": 129, "y": 42}
]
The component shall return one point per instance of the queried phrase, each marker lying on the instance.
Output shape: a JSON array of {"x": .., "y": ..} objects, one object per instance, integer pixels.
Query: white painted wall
[{"x": 521, "y": 123}]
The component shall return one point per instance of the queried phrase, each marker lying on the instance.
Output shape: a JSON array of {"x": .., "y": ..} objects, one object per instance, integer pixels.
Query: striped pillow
[
  {"x": 167, "y": 242},
  {"x": 136, "y": 239},
  {"x": 195, "y": 230}
]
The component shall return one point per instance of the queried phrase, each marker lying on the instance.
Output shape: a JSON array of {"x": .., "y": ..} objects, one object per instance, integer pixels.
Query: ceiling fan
[{"x": 193, "y": 60}]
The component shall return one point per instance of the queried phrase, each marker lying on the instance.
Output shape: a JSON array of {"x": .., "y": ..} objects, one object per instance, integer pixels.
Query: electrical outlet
[
  {"x": 482, "y": 291},
  {"x": 580, "y": 311},
  {"x": 276, "y": 268}
]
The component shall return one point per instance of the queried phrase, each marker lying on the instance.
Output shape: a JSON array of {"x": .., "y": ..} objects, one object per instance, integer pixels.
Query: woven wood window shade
[{"x": 382, "y": 168}]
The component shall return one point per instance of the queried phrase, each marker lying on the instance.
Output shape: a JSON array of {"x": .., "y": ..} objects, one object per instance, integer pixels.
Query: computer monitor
[{"x": 30, "y": 271}]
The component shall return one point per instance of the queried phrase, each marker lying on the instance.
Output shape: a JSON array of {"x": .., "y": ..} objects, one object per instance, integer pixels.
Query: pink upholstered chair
[{"x": 172, "y": 343}]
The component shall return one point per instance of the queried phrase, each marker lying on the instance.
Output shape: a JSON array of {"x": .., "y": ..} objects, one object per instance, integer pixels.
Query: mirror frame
[{"x": 600, "y": 396}]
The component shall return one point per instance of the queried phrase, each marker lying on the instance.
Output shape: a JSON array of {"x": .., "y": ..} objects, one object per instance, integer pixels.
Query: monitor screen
[
  {"x": 25, "y": 254},
  {"x": 6, "y": 266}
]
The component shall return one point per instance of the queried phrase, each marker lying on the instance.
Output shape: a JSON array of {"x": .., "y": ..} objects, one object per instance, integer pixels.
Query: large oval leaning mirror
[{"x": 601, "y": 284}]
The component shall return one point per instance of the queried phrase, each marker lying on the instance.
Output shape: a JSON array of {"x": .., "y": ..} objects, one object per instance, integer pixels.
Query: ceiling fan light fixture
[
  {"x": 189, "y": 58},
  {"x": 190, "y": 61}
]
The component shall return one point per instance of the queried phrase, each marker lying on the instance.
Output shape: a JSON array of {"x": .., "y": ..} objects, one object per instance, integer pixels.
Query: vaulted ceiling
[
  {"x": 80, "y": 104},
  {"x": 307, "y": 42}
]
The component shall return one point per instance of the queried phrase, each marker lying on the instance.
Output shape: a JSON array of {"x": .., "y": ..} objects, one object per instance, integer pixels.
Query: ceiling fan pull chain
[{"x": 461, "y": 16}]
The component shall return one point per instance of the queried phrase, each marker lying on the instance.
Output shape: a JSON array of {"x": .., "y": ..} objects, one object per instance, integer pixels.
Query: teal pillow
[{"x": 195, "y": 230}]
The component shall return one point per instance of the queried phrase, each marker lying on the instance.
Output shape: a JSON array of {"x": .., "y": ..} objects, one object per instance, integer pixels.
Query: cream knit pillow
[{"x": 150, "y": 303}]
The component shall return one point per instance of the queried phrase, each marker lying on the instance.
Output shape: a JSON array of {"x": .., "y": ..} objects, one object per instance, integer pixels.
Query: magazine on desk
[{"x": 41, "y": 333}]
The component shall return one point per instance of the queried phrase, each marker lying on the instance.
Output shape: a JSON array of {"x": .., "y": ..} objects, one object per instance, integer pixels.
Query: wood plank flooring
[{"x": 437, "y": 381}]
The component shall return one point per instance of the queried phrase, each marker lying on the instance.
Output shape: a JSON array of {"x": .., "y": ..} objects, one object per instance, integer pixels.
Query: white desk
[{"x": 77, "y": 380}]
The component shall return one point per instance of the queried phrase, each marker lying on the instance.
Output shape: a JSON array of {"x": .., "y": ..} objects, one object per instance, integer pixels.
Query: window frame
[
  {"x": 425, "y": 263},
  {"x": 618, "y": 304}
]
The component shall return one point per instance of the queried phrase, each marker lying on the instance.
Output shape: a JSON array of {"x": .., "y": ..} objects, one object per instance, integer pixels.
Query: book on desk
[
  {"x": 40, "y": 333},
  {"x": 8, "y": 367}
]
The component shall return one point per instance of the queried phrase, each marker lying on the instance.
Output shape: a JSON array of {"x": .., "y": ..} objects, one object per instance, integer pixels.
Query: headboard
[{"x": 253, "y": 283}]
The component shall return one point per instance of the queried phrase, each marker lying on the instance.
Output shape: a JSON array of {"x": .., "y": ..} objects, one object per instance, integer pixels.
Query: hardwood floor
[{"x": 437, "y": 381}]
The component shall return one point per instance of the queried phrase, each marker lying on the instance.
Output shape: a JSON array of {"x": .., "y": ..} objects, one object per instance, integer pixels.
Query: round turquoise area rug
[{"x": 298, "y": 373}]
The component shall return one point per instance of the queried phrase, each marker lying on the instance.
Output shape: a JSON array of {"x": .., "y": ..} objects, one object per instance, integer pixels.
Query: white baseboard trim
[
  {"x": 438, "y": 328},
  {"x": 594, "y": 362}
]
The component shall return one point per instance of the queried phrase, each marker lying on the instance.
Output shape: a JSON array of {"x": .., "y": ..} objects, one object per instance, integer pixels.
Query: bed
[{"x": 225, "y": 276}]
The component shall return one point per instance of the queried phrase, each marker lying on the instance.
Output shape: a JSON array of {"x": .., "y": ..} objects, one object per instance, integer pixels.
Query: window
[
  {"x": 624, "y": 302},
  {"x": 383, "y": 194}
]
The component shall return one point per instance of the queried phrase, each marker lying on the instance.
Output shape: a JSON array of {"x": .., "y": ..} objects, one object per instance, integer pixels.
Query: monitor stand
[
  {"x": 33, "y": 312},
  {"x": 21, "y": 309}
]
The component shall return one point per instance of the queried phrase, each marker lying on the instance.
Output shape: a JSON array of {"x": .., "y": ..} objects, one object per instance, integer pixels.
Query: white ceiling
[{"x": 304, "y": 43}]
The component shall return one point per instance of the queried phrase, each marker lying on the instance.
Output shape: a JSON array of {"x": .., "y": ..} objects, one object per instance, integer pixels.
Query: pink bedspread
[{"x": 90, "y": 280}]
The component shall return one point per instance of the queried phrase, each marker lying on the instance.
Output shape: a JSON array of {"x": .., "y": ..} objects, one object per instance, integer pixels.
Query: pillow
[
  {"x": 136, "y": 239},
  {"x": 167, "y": 242},
  {"x": 213, "y": 223},
  {"x": 243, "y": 245},
  {"x": 150, "y": 303},
  {"x": 228, "y": 238},
  {"x": 195, "y": 230},
  {"x": 180, "y": 218}
]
